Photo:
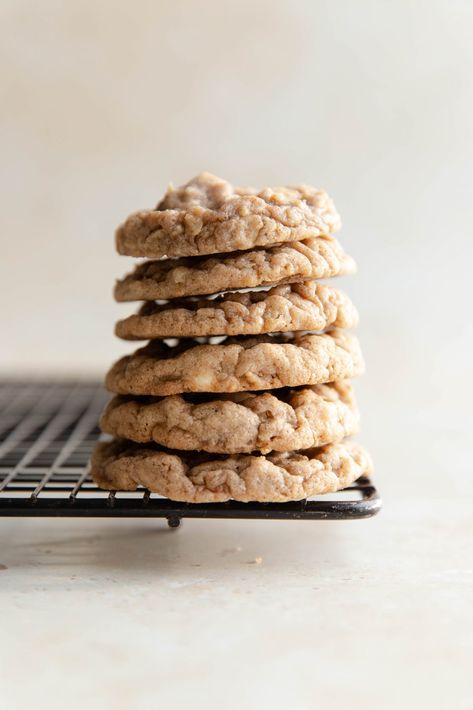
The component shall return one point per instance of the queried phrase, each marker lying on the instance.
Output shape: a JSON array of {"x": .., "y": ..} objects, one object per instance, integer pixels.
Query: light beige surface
[
  {"x": 354, "y": 614},
  {"x": 103, "y": 104}
]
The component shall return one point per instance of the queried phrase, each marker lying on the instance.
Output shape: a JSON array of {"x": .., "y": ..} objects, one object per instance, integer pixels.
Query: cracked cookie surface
[
  {"x": 237, "y": 364},
  {"x": 209, "y": 216},
  {"x": 318, "y": 258},
  {"x": 304, "y": 306},
  {"x": 207, "y": 478},
  {"x": 283, "y": 420}
]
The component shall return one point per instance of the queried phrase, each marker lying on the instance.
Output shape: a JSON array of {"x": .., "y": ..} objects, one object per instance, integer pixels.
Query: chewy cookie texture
[
  {"x": 201, "y": 478},
  {"x": 243, "y": 390},
  {"x": 237, "y": 364},
  {"x": 281, "y": 420},
  {"x": 318, "y": 258},
  {"x": 303, "y": 306},
  {"x": 210, "y": 216}
]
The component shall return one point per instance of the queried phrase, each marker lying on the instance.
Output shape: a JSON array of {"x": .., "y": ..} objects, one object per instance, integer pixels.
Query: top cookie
[{"x": 210, "y": 216}]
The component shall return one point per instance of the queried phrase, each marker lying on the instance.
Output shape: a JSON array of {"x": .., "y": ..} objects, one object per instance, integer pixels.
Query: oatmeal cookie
[
  {"x": 207, "y": 478},
  {"x": 309, "y": 305},
  {"x": 318, "y": 258},
  {"x": 282, "y": 420},
  {"x": 210, "y": 216},
  {"x": 237, "y": 364}
]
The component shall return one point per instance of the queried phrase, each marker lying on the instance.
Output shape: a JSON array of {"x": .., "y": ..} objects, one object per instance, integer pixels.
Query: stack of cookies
[{"x": 243, "y": 391}]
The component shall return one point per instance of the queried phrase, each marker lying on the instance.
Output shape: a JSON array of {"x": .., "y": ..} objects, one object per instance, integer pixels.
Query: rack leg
[{"x": 174, "y": 522}]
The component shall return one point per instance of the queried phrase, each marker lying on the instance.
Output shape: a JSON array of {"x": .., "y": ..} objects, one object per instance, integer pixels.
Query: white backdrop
[{"x": 104, "y": 103}]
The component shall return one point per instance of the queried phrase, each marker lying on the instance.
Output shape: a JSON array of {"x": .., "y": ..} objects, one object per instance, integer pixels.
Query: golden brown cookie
[
  {"x": 304, "y": 306},
  {"x": 208, "y": 478},
  {"x": 210, "y": 216},
  {"x": 318, "y": 258},
  {"x": 237, "y": 364},
  {"x": 283, "y": 420}
]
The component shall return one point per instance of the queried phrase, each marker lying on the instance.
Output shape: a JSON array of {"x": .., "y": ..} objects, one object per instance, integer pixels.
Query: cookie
[
  {"x": 304, "y": 306},
  {"x": 207, "y": 478},
  {"x": 210, "y": 216},
  {"x": 237, "y": 364},
  {"x": 286, "y": 420},
  {"x": 318, "y": 258}
]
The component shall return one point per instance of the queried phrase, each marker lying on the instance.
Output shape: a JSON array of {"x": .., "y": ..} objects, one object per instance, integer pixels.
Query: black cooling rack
[{"x": 47, "y": 432}]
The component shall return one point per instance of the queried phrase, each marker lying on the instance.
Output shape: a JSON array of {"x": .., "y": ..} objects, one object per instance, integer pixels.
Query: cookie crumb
[{"x": 256, "y": 561}]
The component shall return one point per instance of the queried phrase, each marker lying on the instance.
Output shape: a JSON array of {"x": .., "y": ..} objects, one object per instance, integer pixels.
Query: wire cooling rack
[{"x": 47, "y": 432}]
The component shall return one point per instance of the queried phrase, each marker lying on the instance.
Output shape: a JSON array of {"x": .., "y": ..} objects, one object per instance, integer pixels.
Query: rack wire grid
[{"x": 47, "y": 432}]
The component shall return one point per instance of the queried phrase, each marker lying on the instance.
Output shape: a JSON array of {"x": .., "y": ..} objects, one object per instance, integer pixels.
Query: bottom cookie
[{"x": 207, "y": 478}]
